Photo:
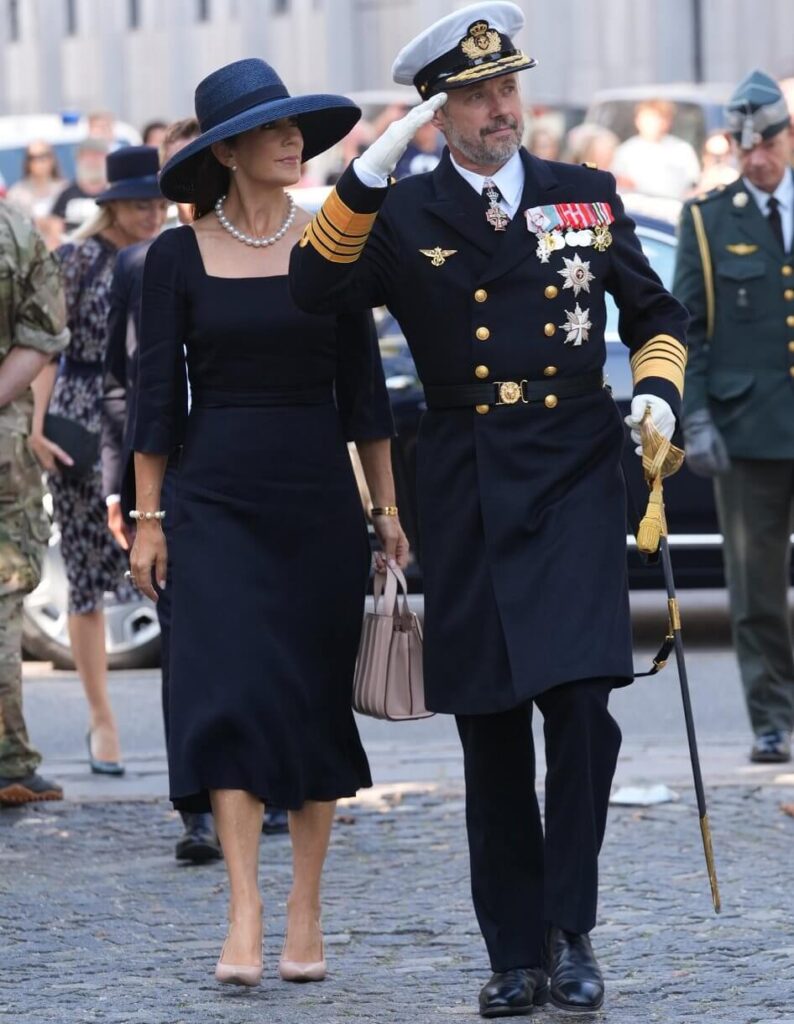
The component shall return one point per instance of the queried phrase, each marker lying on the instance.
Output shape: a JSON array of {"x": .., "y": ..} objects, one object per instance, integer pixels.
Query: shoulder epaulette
[
  {"x": 708, "y": 196},
  {"x": 590, "y": 167}
]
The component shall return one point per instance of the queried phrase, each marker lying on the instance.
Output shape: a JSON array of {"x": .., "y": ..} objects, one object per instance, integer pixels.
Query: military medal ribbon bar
[
  {"x": 585, "y": 224},
  {"x": 576, "y": 216}
]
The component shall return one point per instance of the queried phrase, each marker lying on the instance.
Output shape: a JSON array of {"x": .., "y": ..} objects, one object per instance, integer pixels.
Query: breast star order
[
  {"x": 578, "y": 326},
  {"x": 577, "y": 275},
  {"x": 438, "y": 256}
]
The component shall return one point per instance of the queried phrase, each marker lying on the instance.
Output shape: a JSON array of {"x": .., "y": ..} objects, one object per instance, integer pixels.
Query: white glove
[
  {"x": 662, "y": 417},
  {"x": 377, "y": 162}
]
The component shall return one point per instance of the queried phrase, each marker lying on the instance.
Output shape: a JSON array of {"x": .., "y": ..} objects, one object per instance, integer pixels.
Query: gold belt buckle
[{"x": 511, "y": 392}]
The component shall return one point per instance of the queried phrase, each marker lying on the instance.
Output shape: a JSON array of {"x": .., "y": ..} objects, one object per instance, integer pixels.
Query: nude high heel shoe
[
  {"x": 239, "y": 974},
  {"x": 294, "y": 970}
]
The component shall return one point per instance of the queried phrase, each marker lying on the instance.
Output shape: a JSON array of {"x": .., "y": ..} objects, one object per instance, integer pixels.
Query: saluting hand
[
  {"x": 393, "y": 541},
  {"x": 382, "y": 156}
]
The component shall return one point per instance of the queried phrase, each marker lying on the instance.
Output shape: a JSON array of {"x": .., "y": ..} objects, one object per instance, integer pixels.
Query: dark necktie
[
  {"x": 774, "y": 220},
  {"x": 494, "y": 213}
]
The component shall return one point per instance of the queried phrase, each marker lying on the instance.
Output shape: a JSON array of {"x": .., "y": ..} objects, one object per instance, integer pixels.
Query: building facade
[{"x": 142, "y": 58}]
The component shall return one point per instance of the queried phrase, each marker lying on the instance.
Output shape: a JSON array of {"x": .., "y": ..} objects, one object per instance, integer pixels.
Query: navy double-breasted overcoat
[{"x": 521, "y": 507}]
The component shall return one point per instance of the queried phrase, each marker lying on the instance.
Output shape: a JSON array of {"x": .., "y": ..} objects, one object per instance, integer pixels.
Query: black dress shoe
[
  {"x": 275, "y": 822},
  {"x": 199, "y": 843},
  {"x": 575, "y": 978},
  {"x": 513, "y": 993},
  {"x": 773, "y": 747}
]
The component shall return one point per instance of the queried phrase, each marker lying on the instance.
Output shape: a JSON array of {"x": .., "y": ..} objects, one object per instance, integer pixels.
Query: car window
[{"x": 660, "y": 249}]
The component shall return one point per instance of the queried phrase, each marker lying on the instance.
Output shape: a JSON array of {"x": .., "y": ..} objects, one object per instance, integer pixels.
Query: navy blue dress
[{"x": 268, "y": 543}]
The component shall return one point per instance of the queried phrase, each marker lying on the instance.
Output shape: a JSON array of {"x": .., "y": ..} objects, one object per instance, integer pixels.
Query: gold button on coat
[
  {"x": 788, "y": 295},
  {"x": 481, "y": 372},
  {"x": 552, "y": 291},
  {"x": 480, "y": 295},
  {"x": 791, "y": 346},
  {"x": 550, "y": 371},
  {"x": 482, "y": 334},
  {"x": 790, "y": 321},
  {"x": 550, "y": 401},
  {"x": 791, "y": 370},
  {"x": 787, "y": 271},
  {"x": 482, "y": 409},
  {"x": 550, "y": 330}
]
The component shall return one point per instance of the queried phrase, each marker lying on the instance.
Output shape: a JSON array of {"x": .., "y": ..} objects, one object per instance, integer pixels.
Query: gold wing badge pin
[
  {"x": 742, "y": 249},
  {"x": 438, "y": 256}
]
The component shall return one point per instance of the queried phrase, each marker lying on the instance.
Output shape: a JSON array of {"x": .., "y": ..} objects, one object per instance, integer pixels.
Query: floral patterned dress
[{"x": 94, "y": 562}]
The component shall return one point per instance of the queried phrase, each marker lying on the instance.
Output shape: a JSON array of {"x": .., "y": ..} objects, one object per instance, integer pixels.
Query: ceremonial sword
[{"x": 660, "y": 458}]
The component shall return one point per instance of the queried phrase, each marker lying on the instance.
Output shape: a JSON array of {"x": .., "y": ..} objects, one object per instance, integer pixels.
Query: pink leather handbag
[{"x": 388, "y": 682}]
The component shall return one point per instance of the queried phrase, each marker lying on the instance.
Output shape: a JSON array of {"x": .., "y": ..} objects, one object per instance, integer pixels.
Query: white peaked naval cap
[{"x": 467, "y": 46}]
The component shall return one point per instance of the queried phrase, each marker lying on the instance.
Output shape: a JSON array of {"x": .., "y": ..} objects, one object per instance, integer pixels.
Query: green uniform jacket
[
  {"x": 32, "y": 314},
  {"x": 739, "y": 289}
]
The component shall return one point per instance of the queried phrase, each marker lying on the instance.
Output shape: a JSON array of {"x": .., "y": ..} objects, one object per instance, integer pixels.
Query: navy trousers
[{"x": 522, "y": 880}]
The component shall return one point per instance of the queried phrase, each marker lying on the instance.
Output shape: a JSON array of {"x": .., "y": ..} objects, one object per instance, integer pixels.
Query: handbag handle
[{"x": 386, "y": 585}]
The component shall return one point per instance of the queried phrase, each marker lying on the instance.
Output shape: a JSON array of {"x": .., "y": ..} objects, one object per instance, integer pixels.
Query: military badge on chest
[{"x": 568, "y": 226}]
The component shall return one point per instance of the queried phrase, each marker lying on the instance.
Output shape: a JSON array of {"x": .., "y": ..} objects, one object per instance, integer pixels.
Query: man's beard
[{"x": 485, "y": 151}]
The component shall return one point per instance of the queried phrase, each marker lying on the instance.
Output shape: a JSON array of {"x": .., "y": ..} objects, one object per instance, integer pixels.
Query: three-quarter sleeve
[
  {"x": 361, "y": 394},
  {"x": 161, "y": 395}
]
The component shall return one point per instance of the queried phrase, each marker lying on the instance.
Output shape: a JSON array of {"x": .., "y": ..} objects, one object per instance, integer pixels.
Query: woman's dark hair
[
  {"x": 212, "y": 182},
  {"x": 56, "y": 170}
]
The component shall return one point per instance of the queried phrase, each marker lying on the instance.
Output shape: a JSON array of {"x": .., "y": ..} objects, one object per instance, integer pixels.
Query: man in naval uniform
[
  {"x": 735, "y": 274},
  {"x": 496, "y": 266}
]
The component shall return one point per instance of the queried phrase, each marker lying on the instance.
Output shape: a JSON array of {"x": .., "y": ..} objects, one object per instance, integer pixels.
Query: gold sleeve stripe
[
  {"x": 333, "y": 240},
  {"x": 337, "y": 233},
  {"x": 662, "y": 356},
  {"x": 708, "y": 273},
  {"x": 343, "y": 230},
  {"x": 310, "y": 237}
]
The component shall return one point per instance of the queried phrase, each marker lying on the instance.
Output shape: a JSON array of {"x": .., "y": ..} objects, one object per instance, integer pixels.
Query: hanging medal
[{"x": 495, "y": 215}]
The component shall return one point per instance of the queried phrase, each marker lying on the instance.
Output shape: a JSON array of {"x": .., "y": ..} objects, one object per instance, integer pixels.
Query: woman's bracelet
[
  {"x": 384, "y": 510},
  {"x": 135, "y": 514}
]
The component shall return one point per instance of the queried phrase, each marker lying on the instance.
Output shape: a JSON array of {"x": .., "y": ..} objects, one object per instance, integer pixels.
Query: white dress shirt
[
  {"x": 784, "y": 194},
  {"x": 509, "y": 179}
]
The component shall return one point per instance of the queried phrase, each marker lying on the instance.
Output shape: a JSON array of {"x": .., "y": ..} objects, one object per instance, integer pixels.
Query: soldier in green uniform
[
  {"x": 735, "y": 274},
  {"x": 32, "y": 330}
]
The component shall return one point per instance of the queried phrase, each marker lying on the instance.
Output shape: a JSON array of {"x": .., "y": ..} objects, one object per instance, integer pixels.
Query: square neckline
[{"x": 218, "y": 277}]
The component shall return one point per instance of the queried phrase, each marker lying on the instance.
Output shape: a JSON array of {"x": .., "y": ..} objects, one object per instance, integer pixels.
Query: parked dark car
[{"x": 695, "y": 540}]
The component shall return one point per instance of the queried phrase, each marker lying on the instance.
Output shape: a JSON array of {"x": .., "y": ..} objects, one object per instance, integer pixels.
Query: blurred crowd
[{"x": 654, "y": 161}]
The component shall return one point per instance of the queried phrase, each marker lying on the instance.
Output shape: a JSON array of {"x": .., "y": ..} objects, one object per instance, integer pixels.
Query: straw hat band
[{"x": 265, "y": 94}]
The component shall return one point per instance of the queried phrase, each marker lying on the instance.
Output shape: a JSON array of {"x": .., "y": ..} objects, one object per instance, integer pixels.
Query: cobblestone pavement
[{"x": 99, "y": 923}]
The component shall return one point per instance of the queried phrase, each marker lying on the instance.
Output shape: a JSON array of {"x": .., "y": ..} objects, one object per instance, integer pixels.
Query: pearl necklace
[{"x": 258, "y": 243}]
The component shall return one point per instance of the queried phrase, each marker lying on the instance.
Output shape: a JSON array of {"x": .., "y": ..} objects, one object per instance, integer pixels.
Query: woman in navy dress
[{"x": 268, "y": 536}]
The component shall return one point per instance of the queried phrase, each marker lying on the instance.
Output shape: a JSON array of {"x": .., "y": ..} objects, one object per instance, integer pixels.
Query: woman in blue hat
[
  {"x": 131, "y": 209},
  {"x": 268, "y": 535}
]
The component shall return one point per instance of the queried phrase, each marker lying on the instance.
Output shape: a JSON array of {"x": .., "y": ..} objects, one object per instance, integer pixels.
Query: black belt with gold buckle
[{"x": 511, "y": 392}]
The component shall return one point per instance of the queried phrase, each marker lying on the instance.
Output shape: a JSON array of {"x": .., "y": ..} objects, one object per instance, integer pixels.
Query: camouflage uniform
[{"x": 32, "y": 314}]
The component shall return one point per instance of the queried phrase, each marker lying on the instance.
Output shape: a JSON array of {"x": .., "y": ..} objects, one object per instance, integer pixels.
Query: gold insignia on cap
[
  {"x": 741, "y": 199},
  {"x": 742, "y": 249},
  {"x": 481, "y": 41},
  {"x": 438, "y": 256}
]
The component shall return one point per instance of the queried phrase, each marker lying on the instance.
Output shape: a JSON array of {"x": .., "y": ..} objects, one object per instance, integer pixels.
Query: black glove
[{"x": 706, "y": 454}]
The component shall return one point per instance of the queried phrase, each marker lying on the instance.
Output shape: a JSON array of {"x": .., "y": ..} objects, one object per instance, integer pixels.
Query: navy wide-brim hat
[
  {"x": 244, "y": 95},
  {"x": 132, "y": 174}
]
